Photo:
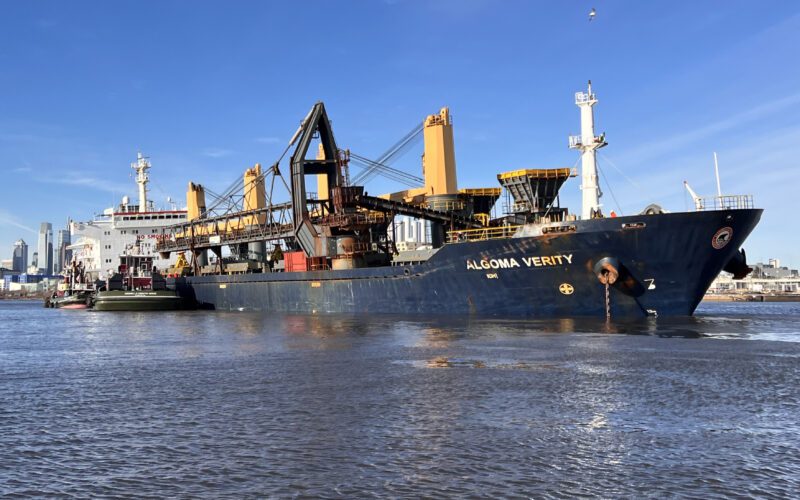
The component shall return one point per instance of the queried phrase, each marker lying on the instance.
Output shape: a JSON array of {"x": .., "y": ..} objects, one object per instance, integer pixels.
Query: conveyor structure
[
  {"x": 533, "y": 192},
  {"x": 340, "y": 226},
  {"x": 317, "y": 224}
]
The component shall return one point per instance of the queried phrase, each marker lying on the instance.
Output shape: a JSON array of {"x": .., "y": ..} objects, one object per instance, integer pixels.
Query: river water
[{"x": 238, "y": 405}]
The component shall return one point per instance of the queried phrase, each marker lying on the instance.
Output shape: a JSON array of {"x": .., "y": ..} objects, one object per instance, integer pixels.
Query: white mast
[
  {"x": 141, "y": 167},
  {"x": 716, "y": 173},
  {"x": 587, "y": 143}
]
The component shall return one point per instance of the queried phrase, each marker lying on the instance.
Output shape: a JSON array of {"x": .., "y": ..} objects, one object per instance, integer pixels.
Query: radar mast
[
  {"x": 588, "y": 143},
  {"x": 141, "y": 166}
]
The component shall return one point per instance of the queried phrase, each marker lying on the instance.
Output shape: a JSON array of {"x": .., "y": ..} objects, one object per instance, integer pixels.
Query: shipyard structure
[
  {"x": 770, "y": 279},
  {"x": 330, "y": 247}
]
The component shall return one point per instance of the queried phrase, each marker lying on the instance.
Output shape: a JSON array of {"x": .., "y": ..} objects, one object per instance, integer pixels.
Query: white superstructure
[
  {"x": 588, "y": 143},
  {"x": 126, "y": 228}
]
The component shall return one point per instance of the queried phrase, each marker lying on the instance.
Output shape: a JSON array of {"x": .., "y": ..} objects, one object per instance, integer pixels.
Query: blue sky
[{"x": 207, "y": 89}]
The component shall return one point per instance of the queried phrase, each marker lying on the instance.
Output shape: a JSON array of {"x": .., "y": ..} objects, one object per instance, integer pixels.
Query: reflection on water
[{"x": 244, "y": 404}]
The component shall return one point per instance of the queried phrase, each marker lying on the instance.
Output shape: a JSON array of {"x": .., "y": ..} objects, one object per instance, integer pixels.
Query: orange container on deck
[{"x": 295, "y": 262}]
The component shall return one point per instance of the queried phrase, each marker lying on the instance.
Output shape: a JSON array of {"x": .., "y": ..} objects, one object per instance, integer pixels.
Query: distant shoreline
[{"x": 749, "y": 298}]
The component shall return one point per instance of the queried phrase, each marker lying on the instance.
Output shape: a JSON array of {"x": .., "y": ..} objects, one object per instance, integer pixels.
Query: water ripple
[{"x": 232, "y": 405}]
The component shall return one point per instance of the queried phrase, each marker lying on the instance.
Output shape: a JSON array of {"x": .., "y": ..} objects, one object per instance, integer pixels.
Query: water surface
[{"x": 217, "y": 404}]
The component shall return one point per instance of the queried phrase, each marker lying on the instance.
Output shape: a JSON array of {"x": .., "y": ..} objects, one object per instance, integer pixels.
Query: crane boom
[{"x": 698, "y": 201}]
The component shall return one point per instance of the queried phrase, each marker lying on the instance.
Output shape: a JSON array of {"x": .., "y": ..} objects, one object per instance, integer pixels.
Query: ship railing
[
  {"x": 185, "y": 240},
  {"x": 581, "y": 97},
  {"x": 727, "y": 202},
  {"x": 517, "y": 207},
  {"x": 445, "y": 205},
  {"x": 485, "y": 233},
  {"x": 352, "y": 218}
]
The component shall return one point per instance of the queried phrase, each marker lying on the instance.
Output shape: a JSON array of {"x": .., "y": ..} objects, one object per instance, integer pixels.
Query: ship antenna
[
  {"x": 588, "y": 144},
  {"x": 141, "y": 166},
  {"x": 716, "y": 173}
]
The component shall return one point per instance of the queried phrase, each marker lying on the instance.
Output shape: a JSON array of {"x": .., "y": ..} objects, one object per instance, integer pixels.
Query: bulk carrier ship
[{"x": 333, "y": 253}]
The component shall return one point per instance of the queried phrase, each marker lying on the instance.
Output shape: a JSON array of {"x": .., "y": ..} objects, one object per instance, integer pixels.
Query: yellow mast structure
[
  {"x": 255, "y": 196},
  {"x": 195, "y": 201},
  {"x": 439, "y": 159}
]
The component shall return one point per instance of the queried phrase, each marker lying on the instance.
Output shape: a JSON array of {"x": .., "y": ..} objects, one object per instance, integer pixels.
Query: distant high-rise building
[
  {"x": 34, "y": 267},
  {"x": 400, "y": 230},
  {"x": 19, "y": 258},
  {"x": 60, "y": 253},
  {"x": 45, "y": 253},
  {"x": 409, "y": 233}
]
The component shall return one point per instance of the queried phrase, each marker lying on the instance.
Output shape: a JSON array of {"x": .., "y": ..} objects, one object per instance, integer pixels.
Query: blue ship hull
[{"x": 667, "y": 262}]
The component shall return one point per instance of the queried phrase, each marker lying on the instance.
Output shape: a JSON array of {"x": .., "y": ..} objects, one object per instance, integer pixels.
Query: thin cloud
[
  {"x": 9, "y": 219},
  {"x": 267, "y": 140},
  {"x": 217, "y": 152},
  {"x": 79, "y": 180},
  {"x": 767, "y": 157},
  {"x": 679, "y": 141},
  {"x": 21, "y": 170}
]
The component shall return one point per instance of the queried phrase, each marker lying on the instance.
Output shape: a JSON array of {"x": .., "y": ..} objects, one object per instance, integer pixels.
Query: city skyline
[
  {"x": 210, "y": 94},
  {"x": 21, "y": 254},
  {"x": 45, "y": 248}
]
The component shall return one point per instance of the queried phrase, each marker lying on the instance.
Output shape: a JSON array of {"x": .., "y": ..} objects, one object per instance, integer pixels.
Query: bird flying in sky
[{"x": 592, "y": 14}]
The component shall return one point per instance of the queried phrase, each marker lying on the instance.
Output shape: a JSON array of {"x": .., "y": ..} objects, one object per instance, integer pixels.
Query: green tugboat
[{"x": 136, "y": 286}]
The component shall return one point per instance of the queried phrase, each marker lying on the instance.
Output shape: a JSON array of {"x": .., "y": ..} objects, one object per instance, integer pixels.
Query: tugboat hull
[
  {"x": 118, "y": 300},
  {"x": 72, "y": 301}
]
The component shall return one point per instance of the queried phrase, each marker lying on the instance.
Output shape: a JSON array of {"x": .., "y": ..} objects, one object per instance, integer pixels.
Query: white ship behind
[{"x": 128, "y": 228}]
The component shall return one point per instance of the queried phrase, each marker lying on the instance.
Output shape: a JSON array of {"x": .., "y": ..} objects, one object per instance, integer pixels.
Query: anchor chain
[{"x": 607, "y": 272}]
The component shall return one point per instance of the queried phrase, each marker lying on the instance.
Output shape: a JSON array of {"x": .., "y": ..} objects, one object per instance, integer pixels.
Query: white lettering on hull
[{"x": 512, "y": 262}]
